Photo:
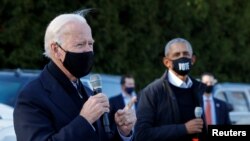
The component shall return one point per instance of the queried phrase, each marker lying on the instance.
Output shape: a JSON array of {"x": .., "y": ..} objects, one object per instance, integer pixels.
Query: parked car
[
  {"x": 12, "y": 81},
  {"x": 6, "y": 116},
  {"x": 6, "y": 123},
  {"x": 238, "y": 96},
  {"x": 110, "y": 84},
  {"x": 8, "y": 134}
]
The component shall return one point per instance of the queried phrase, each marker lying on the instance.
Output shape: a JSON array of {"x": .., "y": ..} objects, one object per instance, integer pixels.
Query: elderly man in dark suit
[
  {"x": 56, "y": 106},
  {"x": 216, "y": 111}
]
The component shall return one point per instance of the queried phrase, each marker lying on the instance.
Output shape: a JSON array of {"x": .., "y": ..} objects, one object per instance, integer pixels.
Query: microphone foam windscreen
[
  {"x": 95, "y": 81},
  {"x": 198, "y": 112}
]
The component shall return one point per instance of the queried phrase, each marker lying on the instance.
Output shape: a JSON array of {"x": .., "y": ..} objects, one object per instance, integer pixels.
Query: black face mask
[
  {"x": 129, "y": 90},
  {"x": 78, "y": 64},
  {"x": 209, "y": 89},
  {"x": 182, "y": 66}
]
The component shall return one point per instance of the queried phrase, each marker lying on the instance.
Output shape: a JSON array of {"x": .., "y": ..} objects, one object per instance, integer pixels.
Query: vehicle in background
[
  {"x": 12, "y": 81},
  {"x": 110, "y": 84},
  {"x": 238, "y": 96},
  {"x": 7, "y": 132},
  {"x": 6, "y": 116}
]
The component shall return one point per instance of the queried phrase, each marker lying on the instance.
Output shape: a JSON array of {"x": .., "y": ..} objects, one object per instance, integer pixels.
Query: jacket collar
[
  {"x": 199, "y": 88},
  {"x": 58, "y": 94}
]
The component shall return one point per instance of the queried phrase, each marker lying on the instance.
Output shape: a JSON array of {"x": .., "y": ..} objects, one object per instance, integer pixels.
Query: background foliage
[{"x": 130, "y": 35}]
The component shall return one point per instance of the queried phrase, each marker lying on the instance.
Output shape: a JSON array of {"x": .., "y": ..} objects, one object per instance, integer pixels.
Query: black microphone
[{"x": 96, "y": 82}]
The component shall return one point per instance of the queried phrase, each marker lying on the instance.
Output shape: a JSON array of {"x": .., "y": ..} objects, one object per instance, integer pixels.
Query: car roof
[
  {"x": 19, "y": 73},
  {"x": 111, "y": 83},
  {"x": 230, "y": 84}
]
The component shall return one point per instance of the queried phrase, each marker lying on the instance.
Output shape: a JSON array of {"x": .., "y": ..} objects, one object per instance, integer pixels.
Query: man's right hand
[
  {"x": 194, "y": 126},
  {"x": 95, "y": 107}
]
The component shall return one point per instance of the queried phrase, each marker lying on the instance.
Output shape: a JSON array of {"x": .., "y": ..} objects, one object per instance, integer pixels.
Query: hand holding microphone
[
  {"x": 96, "y": 83},
  {"x": 198, "y": 112},
  {"x": 195, "y": 125},
  {"x": 95, "y": 107}
]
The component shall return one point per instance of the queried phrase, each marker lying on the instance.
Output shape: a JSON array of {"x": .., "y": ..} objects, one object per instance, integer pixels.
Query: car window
[
  {"x": 221, "y": 95},
  {"x": 8, "y": 91},
  {"x": 11, "y": 83},
  {"x": 238, "y": 100},
  {"x": 111, "y": 88},
  {"x": 110, "y": 84}
]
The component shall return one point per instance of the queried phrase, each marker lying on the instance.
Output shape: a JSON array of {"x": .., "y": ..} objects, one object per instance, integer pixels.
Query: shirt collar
[
  {"x": 61, "y": 77},
  {"x": 173, "y": 79},
  {"x": 207, "y": 97},
  {"x": 126, "y": 96}
]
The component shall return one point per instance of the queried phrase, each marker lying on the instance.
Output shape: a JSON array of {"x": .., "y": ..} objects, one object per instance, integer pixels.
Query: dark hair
[{"x": 124, "y": 77}]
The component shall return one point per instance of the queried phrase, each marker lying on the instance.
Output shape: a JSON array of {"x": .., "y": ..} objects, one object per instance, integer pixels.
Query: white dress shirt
[
  {"x": 174, "y": 80},
  {"x": 127, "y": 99}
]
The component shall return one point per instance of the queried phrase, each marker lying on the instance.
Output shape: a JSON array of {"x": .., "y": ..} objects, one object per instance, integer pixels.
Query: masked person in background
[
  {"x": 126, "y": 99},
  {"x": 165, "y": 111},
  {"x": 216, "y": 111},
  {"x": 56, "y": 106}
]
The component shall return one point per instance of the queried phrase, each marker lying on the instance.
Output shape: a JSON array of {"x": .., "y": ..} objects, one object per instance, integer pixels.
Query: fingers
[
  {"x": 99, "y": 98},
  {"x": 94, "y": 107},
  {"x": 125, "y": 117},
  {"x": 125, "y": 120},
  {"x": 194, "y": 126},
  {"x": 131, "y": 103}
]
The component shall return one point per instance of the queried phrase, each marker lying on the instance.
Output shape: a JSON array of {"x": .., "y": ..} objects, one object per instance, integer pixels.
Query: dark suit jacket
[
  {"x": 116, "y": 103},
  {"x": 45, "y": 112},
  {"x": 221, "y": 112}
]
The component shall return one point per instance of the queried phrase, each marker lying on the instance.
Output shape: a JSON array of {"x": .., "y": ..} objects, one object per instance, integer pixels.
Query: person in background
[
  {"x": 127, "y": 94},
  {"x": 56, "y": 106},
  {"x": 216, "y": 111},
  {"x": 165, "y": 111}
]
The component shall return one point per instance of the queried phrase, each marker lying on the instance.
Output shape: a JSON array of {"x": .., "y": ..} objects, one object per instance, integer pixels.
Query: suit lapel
[
  {"x": 58, "y": 95},
  {"x": 64, "y": 102}
]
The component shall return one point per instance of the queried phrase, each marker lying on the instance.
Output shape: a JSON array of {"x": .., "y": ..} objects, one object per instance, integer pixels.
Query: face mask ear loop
[{"x": 60, "y": 46}]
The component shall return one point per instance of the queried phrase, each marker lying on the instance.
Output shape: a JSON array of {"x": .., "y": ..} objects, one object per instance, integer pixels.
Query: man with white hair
[{"x": 56, "y": 106}]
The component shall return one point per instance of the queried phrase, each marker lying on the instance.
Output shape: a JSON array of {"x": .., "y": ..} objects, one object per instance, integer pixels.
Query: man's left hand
[{"x": 125, "y": 120}]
